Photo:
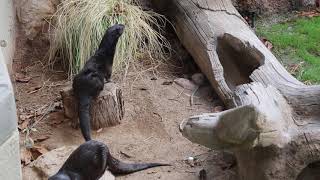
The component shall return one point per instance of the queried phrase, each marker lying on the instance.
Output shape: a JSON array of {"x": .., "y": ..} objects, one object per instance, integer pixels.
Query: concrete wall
[
  {"x": 7, "y": 31},
  {"x": 9, "y": 137},
  {"x": 10, "y": 168}
]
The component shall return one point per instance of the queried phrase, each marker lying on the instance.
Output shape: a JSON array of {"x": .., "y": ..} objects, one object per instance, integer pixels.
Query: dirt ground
[{"x": 148, "y": 133}]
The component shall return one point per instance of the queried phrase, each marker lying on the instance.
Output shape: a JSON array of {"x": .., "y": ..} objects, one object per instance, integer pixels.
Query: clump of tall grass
[{"x": 80, "y": 24}]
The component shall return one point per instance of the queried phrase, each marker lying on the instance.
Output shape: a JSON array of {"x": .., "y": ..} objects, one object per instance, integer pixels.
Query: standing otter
[
  {"x": 90, "y": 160},
  {"x": 89, "y": 82}
]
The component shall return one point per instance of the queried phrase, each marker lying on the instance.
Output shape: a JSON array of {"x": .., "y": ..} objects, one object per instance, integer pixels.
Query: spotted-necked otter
[{"x": 90, "y": 160}]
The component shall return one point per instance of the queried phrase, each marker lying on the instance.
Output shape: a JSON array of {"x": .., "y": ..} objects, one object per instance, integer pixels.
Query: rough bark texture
[
  {"x": 106, "y": 110},
  {"x": 272, "y": 125}
]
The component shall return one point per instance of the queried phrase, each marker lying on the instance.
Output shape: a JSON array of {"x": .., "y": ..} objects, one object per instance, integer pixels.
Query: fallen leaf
[
  {"x": 38, "y": 151},
  {"x": 125, "y": 154},
  {"x": 24, "y": 125},
  {"x": 34, "y": 90},
  {"x": 25, "y": 156},
  {"x": 22, "y": 78},
  {"x": 294, "y": 68},
  {"x": 99, "y": 130},
  {"x": 24, "y": 117},
  {"x": 41, "y": 138},
  {"x": 267, "y": 43}
]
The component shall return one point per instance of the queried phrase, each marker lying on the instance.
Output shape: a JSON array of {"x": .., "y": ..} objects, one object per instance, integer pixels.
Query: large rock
[
  {"x": 49, "y": 163},
  {"x": 33, "y": 15}
]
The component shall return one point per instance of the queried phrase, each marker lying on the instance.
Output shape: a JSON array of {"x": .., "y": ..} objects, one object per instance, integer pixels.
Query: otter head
[
  {"x": 111, "y": 37},
  {"x": 116, "y": 30}
]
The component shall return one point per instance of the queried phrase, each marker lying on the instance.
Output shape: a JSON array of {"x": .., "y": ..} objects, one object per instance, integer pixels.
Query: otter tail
[
  {"x": 84, "y": 116},
  {"x": 119, "y": 168}
]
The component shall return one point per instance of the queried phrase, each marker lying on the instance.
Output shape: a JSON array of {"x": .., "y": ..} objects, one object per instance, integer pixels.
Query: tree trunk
[
  {"x": 106, "y": 110},
  {"x": 272, "y": 125}
]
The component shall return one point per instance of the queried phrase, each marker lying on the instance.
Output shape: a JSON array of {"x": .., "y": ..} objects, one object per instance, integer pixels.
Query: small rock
[
  {"x": 185, "y": 83},
  {"x": 190, "y": 161},
  {"x": 199, "y": 79}
]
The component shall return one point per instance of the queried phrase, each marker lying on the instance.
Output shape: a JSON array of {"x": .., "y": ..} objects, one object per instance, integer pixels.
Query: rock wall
[
  {"x": 272, "y": 6},
  {"x": 34, "y": 15}
]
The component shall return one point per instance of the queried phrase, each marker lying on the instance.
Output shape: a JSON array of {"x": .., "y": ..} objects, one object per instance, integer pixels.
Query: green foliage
[{"x": 297, "y": 41}]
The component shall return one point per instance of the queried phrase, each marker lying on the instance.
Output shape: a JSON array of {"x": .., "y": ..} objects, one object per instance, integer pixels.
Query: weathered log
[
  {"x": 106, "y": 110},
  {"x": 273, "y": 124}
]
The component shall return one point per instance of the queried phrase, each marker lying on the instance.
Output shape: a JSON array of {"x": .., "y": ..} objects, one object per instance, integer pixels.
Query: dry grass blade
[{"x": 80, "y": 24}]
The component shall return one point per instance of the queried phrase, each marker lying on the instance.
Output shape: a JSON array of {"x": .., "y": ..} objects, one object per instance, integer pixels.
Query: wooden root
[{"x": 106, "y": 110}]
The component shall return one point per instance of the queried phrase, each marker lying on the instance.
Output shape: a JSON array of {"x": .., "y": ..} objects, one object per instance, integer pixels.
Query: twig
[
  {"x": 147, "y": 139},
  {"x": 193, "y": 93},
  {"x": 158, "y": 115},
  {"x": 204, "y": 153},
  {"x": 48, "y": 111},
  {"x": 125, "y": 154},
  {"x": 175, "y": 99},
  {"x": 43, "y": 85}
]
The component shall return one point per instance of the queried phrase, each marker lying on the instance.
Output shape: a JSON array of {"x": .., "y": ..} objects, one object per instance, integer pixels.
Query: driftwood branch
[{"x": 272, "y": 125}]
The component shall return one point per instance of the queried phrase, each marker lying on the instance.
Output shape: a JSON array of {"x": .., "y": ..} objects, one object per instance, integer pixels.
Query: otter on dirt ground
[
  {"x": 89, "y": 82},
  {"x": 91, "y": 159}
]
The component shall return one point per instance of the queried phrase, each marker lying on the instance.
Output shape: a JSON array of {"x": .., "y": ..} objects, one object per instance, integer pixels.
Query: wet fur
[
  {"x": 89, "y": 82},
  {"x": 90, "y": 160}
]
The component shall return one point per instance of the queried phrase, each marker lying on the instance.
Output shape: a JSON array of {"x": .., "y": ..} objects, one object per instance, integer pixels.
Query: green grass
[{"x": 297, "y": 42}]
